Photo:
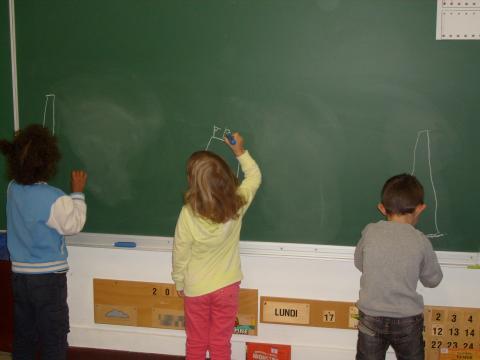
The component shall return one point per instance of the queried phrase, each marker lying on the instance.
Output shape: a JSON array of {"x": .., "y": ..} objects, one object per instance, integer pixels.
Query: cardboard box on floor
[{"x": 260, "y": 351}]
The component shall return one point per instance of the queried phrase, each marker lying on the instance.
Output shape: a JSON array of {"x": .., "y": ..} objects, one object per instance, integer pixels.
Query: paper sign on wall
[{"x": 458, "y": 20}]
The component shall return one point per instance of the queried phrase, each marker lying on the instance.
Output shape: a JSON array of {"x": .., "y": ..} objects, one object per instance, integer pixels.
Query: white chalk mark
[
  {"x": 47, "y": 97},
  {"x": 215, "y": 129},
  {"x": 429, "y": 155},
  {"x": 215, "y": 137}
]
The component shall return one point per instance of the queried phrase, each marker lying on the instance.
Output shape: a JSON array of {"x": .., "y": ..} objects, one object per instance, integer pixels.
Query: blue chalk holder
[
  {"x": 230, "y": 138},
  {"x": 125, "y": 244}
]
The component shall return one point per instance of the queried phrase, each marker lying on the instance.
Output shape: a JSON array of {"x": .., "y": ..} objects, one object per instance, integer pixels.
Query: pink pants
[{"x": 209, "y": 323}]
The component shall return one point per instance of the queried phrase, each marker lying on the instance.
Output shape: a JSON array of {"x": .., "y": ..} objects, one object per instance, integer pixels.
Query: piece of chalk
[
  {"x": 230, "y": 138},
  {"x": 127, "y": 244}
]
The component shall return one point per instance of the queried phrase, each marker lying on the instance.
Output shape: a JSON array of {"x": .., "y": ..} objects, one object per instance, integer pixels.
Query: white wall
[{"x": 285, "y": 270}]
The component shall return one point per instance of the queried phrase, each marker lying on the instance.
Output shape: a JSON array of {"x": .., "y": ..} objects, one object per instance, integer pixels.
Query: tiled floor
[{"x": 5, "y": 356}]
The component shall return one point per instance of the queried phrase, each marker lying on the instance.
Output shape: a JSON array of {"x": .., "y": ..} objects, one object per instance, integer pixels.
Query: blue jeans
[
  {"x": 376, "y": 334},
  {"x": 40, "y": 316}
]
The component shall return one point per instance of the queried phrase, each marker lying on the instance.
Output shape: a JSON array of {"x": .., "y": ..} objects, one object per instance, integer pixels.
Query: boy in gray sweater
[{"x": 392, "y": 256}]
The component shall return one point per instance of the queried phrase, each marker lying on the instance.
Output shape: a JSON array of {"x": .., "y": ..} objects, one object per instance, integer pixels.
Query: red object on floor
[
  {"x": 260, "y": 351},
  {"x": 6, "y": 306}
]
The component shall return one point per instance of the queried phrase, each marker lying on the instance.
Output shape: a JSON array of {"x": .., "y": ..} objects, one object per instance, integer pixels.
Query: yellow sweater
[{"x": 206, "y": 255}]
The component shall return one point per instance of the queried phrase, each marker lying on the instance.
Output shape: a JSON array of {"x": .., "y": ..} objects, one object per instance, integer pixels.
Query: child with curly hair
[{"x": 38, "y": 217}]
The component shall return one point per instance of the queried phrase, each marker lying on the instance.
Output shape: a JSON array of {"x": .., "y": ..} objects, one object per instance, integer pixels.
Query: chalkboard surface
[{"x": 331, "y": 97}]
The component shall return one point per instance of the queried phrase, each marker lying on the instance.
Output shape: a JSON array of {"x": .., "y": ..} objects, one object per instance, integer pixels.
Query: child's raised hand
[
  {"x": 237, "y": 148},
  {"x": 78, "y": 180}
]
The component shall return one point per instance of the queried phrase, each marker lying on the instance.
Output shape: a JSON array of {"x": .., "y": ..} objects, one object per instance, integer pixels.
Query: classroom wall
[
  {"x": 280, "y": 269},
  {"x": 6, "y": 101},
  {"x": 283, "y": 270}
]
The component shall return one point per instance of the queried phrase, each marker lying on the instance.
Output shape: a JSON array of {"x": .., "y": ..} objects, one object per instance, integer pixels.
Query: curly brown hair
[
  {"x": 32, "y": 156},
  {"x": 212, "y": 191}
]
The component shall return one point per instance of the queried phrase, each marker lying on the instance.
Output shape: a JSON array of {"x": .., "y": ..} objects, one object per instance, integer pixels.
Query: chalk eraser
[{"x": 127, "y": 244}]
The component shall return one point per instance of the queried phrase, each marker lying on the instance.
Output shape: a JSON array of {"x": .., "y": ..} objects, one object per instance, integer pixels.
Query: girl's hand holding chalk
[
  {"x": 78, "y": 180},
  {"x": 236, "y": 145},
  {"x": 230, "y": 138}
]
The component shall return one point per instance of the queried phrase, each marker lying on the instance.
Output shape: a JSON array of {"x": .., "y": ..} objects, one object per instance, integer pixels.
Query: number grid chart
[
  {"x": 157, "y": 305},
  {"x": 458, "y": 20},
  {"x": 451, "y": 328}
]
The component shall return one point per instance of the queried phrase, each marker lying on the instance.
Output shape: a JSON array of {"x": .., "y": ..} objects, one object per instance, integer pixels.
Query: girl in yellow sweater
[{"x": 206, "y": 256}]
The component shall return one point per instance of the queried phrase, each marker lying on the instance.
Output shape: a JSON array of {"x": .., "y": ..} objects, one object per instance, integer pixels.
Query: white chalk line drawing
[
  {"x": 426, "y": 132},
  {"x": 47, "y": 97},
  {"x": 215, "y": 137}
]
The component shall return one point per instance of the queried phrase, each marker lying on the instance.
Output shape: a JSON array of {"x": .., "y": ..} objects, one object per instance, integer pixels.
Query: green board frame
[{"x": 329, "y": 95}]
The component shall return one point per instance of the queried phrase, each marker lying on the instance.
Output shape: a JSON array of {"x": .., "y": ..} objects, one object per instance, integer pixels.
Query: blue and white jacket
[{"x": 38, "y": 217}]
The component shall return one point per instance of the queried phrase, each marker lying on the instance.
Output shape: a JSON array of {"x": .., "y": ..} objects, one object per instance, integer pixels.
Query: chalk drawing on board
[
  {"x": 47, "y": 98},
  {"x": 426, "y": 133},
  {"x": 215, "y": 136}
]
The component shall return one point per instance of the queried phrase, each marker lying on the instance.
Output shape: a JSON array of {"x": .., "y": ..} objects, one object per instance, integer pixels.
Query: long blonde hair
[{"x": 212, "y": 187}]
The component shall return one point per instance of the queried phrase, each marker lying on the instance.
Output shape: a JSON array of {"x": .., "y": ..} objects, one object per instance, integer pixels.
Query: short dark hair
[
  {"x": 401, "y": 194},
  {"x": 32, "y": 156}
]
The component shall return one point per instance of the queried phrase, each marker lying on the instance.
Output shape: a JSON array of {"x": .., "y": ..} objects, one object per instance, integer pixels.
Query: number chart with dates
[
  {"x": 452, "y": 328},
  {"x": 136, "y": 303},
  {"x": 307, "y": 312}
]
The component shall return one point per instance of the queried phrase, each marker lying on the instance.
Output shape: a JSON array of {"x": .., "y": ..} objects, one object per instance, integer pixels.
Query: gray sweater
[{"x": 392, "y": 258}]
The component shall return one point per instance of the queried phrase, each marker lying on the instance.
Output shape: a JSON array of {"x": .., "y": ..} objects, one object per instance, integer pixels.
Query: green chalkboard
[
  {"x": 6, "y": 104},
  {"x": 330, "y": 96}
]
